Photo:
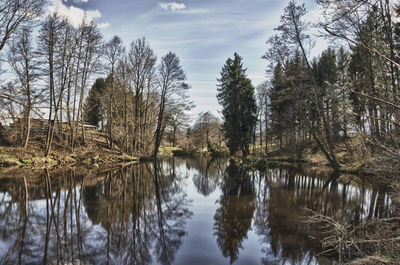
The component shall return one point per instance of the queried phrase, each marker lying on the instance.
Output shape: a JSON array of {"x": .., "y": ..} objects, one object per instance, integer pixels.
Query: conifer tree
[
  {"x": 276, "y": 104},
  {"x": 93, "y": 106},
  {"x": 236, "y": 95}
]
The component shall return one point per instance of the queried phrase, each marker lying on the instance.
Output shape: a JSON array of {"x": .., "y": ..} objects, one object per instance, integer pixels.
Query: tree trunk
[
  {"x": 52, "y": 94},
  {"x": 28, "y": 126},
  {"x": 174, "y": 137},
  {"x": 158, "y": 133},
  {"x": 28, "y": 116},
  {"x": 261, "y": 134}
]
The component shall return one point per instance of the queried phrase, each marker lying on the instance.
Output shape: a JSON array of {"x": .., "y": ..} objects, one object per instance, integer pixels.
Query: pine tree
[
  {"x": 325, "y": 70},
  {"x": 93, "y": 108},
  {"x": 236, "y": 95},
  {"x": 276, "y": 104}
]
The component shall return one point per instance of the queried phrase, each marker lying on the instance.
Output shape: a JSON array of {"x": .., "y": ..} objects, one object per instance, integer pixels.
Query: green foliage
[
  {"x": 216, "y": 150},
  {"x": 236, "y": 95},
  {"x": 8, "y": 160},
  {"x": 276, "y": 94},
  {"x": 93, "y": 106},
  {"x": 291, "y": 103},
  {"x": 368, "y": 73},
  {"x": 325, "y": 68}
]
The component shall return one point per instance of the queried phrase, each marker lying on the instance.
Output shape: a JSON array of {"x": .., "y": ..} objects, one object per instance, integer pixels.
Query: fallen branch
[
  {"x": 374, "y": 240},
  {"x": 9, "y": 97}
]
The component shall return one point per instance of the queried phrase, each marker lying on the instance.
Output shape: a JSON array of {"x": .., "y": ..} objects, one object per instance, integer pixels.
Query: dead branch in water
[{"x": 374, "y": 241}]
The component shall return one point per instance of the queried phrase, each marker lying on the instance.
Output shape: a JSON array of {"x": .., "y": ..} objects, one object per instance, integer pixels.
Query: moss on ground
[
  {"x": 168, "y": 150},
  {"x": 8, "y": 160}
]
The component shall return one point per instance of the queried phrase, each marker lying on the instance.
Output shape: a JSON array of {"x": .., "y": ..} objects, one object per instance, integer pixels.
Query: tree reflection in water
[
  {"x": 140, "y": 214},
  {"x": 282, "y": 196},
  {"x": 119, "y": 220},
  {"x": 172, "y": 213},
  {"x": 208, "y": 173},
  {"x": 233, "y": 217}
]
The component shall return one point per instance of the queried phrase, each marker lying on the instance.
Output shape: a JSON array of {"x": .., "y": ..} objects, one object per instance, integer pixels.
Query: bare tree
[
  {"x": 171, "y": 82},
  {"x": 21, "y": 59},
  {"x": 177, "y": 117},
  {"x": 142, "y": 61},
  {"x": 92, "y": 43},
  {"x": 66, "y": 74},
  {"x": 263, "y": 111},
  {"x": 14, "y": 13},
  {"x": 122, "y": 81},
  {"x": 47, "y": 41},
  {"x": 113, "y": 51},
  {"x": 207, "y": 125}
]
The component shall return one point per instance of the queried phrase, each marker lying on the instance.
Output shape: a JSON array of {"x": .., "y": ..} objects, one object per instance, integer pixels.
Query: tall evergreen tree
[
  {"x": 325, "y": 70},
  {"x": 343, "y": 59},
  {"x": 277, "y": 105},
  {"x": 236, "y": 95},
  {"x": 93, "y": 106}
]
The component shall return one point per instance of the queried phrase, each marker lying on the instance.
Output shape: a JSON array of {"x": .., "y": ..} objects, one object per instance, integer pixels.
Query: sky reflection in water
[{"x": 174, "y": 212}]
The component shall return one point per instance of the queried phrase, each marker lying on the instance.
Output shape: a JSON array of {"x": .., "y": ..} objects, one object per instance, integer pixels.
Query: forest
[
  {"x": 343, "y": 102},
  {"x": 347, "y": 94}
]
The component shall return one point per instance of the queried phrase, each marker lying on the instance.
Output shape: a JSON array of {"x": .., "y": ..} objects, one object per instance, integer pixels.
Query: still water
[{"x": 177, "y": 211}]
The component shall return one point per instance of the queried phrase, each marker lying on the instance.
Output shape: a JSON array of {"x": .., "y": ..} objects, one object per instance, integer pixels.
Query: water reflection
[
  {"x": 132, "y": 216},
  {"x": 233, "y": 217},
  {"x": 150, "y": 214},
  {"x": 208, "y": 173}
]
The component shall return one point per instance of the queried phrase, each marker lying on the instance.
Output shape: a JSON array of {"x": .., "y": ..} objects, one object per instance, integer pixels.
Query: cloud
[
  {"x": 75, "y": 15},
  {"x": 172, "y": 6},
  {"x": 103, "y": 25},
  {"x": 196, "y": 11},
  {"x": 93, "y": 14}
]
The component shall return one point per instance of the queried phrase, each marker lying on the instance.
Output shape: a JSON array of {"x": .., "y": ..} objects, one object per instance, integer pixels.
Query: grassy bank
[
  {"x": 94, "y": 153},
  {"x": 352, "y": 155}
]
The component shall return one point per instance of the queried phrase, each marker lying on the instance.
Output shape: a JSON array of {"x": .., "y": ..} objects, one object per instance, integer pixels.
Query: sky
[{"x": 203, "y": 33}]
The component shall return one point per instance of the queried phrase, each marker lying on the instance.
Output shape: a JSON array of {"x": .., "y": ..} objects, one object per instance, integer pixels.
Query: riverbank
[
  {"x": 94, "y": 153},
  {"x": 90, "y": 156},
  {"x": 353, "y": 156}
]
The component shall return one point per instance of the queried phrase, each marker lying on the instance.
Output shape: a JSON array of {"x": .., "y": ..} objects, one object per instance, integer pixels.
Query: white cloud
[
  {"x": 75, "y": 15},
  {"x": 93, "y": 14},
  {"x": 103, "y": 25},
  {"x": 172, "y": 6}
]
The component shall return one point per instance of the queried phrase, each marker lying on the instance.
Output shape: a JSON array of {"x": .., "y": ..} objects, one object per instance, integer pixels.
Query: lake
[{"x": 177, "y": 211}]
